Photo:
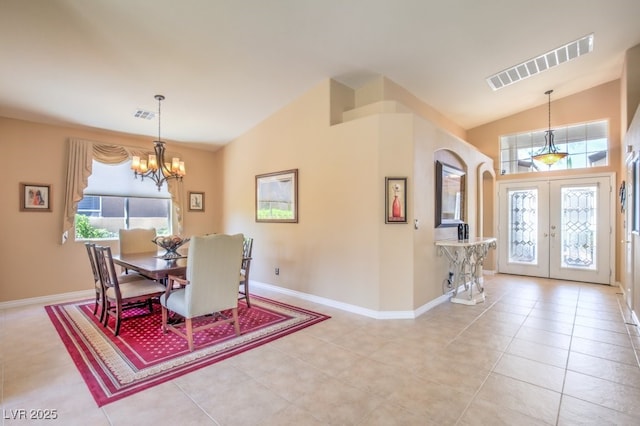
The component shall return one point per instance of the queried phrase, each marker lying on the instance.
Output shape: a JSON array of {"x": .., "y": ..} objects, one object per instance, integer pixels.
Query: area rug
[{"x": 142, "y": 356}]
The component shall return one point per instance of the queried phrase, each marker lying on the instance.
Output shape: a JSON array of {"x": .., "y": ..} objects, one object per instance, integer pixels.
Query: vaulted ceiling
[{"x": 226, "y": 65}]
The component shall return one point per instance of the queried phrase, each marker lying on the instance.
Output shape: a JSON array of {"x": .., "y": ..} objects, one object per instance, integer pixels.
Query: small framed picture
[
  {"x": 396, "y": 200},
  {"x": 35, "y": 197},
  {"x": 196, "y": 201}
]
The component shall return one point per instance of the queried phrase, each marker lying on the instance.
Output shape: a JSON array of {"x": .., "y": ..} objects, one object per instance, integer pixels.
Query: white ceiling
[{"x": 225, "y": 65}]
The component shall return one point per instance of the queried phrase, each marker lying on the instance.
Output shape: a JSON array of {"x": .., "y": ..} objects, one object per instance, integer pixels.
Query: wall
[
  {"x": 630, "y": 242},
  {"x": 324, "y": 254},
  {"x": 597, "y": 103},
  {"x": 341, "y": 249},
  {"x": 34, "y": 263}
]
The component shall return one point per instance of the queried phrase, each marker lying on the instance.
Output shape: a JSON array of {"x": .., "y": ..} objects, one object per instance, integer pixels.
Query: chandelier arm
[{"x": 157, "y": 169}]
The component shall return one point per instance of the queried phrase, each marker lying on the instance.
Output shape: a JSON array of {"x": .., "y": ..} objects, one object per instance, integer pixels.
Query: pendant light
[{"x": 549, "y": 154}]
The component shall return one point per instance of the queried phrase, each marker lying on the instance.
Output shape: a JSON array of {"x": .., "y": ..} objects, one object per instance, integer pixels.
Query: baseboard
[
  {"x": 47, "y": 300},
  {"x": 634, "y": 316},
  {"x": 353, "y": 308},
  {"x": 55, "y": 298}
]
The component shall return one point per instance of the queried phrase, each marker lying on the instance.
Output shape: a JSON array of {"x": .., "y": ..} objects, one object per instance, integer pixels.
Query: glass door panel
[
  {"x": 523, "y": 215},
  {"x": 581, "y": 230},
  {"x": 579, "y": 227},
  {"x": 523, "y": 225}
]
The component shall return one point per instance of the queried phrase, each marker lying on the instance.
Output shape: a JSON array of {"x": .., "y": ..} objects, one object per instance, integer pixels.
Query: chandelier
[
  {"x": 155, "y": 167},
  {"x": 549, "y": 154}
]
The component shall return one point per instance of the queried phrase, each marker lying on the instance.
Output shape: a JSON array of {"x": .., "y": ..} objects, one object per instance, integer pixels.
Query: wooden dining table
[{"x": 152, "y": 264}]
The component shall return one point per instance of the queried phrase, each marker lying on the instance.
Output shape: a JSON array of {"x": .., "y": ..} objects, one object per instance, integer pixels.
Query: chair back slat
[
  {"x": 92, "y": 260},
  {"x": 107, "y": 269}
]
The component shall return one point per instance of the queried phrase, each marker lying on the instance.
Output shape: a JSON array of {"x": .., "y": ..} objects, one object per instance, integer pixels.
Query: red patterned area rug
[{"x": 143, "y": 356}]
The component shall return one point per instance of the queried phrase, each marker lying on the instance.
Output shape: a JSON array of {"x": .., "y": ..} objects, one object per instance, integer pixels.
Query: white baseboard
[
  {"x": 353, "y": 308},
  {"x": 85, "y": 294},
  {"x": 47, "y": 300},
  {"x": 634, "y": 315}
]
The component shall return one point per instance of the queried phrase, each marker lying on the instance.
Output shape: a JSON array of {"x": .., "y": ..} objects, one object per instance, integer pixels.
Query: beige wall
[
  {"x": 382, "y": 88},
  {"x": 630, "y": 243},
  {"x": 341, "y": 249},
  {"x": 600, "y": 102},
  {"x": 33, "y": 261}
]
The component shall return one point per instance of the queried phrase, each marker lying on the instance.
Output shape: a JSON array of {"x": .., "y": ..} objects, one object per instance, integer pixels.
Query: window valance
[{"x": 81, "y": 154}]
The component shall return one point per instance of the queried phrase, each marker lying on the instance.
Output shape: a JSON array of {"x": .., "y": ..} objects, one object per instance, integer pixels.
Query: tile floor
[{"x": 536, "y": 352}]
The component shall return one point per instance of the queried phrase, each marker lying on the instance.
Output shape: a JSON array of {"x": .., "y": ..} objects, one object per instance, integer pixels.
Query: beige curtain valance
[{"x": 81, "y": 155}]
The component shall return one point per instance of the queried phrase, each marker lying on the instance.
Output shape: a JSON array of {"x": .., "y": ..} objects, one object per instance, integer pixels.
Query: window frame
[{"x": 567, "y": 138}]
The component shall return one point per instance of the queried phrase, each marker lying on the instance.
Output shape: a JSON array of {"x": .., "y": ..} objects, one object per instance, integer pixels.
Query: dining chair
[
  {"x": 122, "y": 295},
  {"x": 91, "y": 252},
  {"x": 210, "y": 287},
  {"x": 247, "y": 247},
  {"x": 137, "y": 240}
]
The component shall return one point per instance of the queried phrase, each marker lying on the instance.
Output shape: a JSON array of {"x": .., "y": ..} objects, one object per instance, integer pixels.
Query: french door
[{"x": 557, "y": 228}]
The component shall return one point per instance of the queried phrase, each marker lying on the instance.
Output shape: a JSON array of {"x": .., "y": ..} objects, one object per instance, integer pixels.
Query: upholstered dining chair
[
  {"x": 247, "y": 247},
  {"x": 91, "y": 252},
  {"x": 210, "y": 287},
  {"x": 122, "y": 295},
  {"x": 137, "y": 240}
]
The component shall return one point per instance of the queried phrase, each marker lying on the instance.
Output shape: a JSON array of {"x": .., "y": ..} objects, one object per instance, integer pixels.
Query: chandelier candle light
[
  {"x": 549, "y": 154},
  {"x": 155, "y": 167}
]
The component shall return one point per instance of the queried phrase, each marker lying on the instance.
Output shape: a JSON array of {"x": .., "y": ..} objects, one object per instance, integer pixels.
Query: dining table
[{"x": 152, "y": 264}]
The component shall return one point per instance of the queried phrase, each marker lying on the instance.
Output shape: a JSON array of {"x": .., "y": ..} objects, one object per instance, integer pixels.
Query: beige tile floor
[{"x": 536, "y": 352}]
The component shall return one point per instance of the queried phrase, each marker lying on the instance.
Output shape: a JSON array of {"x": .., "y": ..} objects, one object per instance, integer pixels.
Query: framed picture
[
  {"x": 277, "y": 197},
  {"x": 196, "y": 201},
  {"x": 396, "y": 200},
  {"x": 450, "y": 195},
  {"x": 35, "y": 197}
]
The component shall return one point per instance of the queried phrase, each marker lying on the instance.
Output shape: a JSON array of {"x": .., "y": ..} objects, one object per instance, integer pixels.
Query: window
[
  {"x": 586, "y": 143},
  {"x": 113, "y": 200}
]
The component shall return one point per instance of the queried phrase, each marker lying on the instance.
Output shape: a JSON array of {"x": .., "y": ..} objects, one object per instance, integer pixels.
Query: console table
[{"x": 465, "y": 268}]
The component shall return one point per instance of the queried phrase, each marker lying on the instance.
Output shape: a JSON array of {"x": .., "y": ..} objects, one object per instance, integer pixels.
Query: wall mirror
[{"x": 450, "y": 195}]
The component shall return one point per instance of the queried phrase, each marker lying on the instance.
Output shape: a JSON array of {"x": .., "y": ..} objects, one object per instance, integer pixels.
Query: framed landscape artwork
[
  {"x": 35, "y": 197},
  {"x": 277, "y": 197}
]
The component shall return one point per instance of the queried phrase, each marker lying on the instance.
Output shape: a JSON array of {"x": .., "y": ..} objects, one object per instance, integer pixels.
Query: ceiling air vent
[
  {"x": 541, "y": 63},
  {"x": 147, "y": 115}
]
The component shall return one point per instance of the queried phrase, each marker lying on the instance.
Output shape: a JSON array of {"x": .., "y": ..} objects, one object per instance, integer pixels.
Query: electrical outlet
[{"x": 277, "y": 271}]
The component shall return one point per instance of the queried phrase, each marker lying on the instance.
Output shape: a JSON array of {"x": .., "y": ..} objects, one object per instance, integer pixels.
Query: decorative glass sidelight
[
  {"x": 579, "y": 227},
  {"x": 523, "y": 226}
]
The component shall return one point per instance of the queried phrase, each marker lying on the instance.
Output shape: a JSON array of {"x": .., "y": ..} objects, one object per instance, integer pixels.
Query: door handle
[
  {"x": 545, "y": 235},
  {"x": 553, "y": 234}
]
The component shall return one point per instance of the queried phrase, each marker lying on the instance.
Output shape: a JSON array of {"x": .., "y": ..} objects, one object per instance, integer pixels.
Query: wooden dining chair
[
  {"x": 247, "y": 247},
  {"x": 97, "y": 282},
  {"x": 122, "y": 295},
  {"x": 211, "y": 286}
]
